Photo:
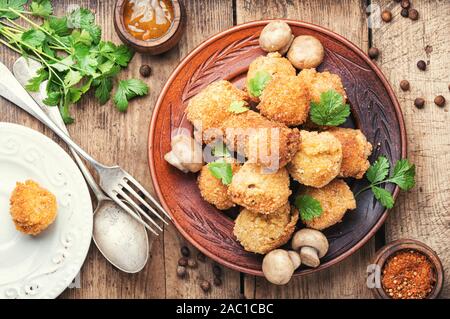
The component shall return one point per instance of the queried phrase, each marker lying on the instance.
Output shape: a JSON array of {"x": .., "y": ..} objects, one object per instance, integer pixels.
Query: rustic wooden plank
[
  {"x": 205, "y": 18},
  {"x": 347, "y": 279},
  {"x": 423, "y": 213}
]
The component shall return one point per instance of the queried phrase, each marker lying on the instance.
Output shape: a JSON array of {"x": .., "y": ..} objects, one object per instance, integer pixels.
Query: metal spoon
[{"x": 120, "y": 238}]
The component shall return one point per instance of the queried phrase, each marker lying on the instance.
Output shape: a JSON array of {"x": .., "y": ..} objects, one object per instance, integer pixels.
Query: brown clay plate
[{"x": 227, "y": 55}]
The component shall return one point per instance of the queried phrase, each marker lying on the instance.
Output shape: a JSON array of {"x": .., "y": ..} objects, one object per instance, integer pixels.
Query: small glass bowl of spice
[
  {"x": 409, "y": 270},
  {"x": 149, "y": 26}
]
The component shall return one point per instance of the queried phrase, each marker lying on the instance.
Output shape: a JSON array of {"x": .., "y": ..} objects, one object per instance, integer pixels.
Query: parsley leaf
[
  {"x": 308, "y": 207},
  {"x": 222, "y": 171},
  {"x": 34, "y": 83},
  {"x": 80, "y": 18},
  {"x": 127, "y": 90},
  {"x": 379, "y": 170},
  {"x": 383, "y": 196},
  {"x": 237, "y": 107},
  {"x": 72, "y": 77},
  {"x": 52, "y": 99},
  {"x": 403, "y": 176},
  {"x": 331, "y": 110},
  {"x": 58, "y": 26},
  {"x": 34, "y": 38},
  {"x": 258, "y": 82},
  {"x": 41, "y": 8},
  {"x": 103, "y": 86},
  {"x": 13, "y": 4}
]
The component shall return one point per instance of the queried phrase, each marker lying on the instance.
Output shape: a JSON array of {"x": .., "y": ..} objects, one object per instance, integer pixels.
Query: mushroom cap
[
  {"x": 310, "y": 238},
  {"x": 295, "y": 258},
  {"x": 188, "y": 152},
  {"x": 306, "y": 52},
  {"x": 278, "y": 267},
  {"x": 276, "y": 36},
  {"x": 309, "y": 256}
]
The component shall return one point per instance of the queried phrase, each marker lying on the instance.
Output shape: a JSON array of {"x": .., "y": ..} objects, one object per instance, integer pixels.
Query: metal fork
[{"x": 114, "y": 181}]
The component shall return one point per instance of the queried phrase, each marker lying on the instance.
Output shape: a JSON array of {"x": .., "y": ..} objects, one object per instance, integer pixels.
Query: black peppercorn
[
  {"x": 404, "y": 13},
  {"x": 419, "y": 102},
  {"x": 185, "y": 251},
  {"x": 421, "y": 65},
  {"x": 439, "y": 101},
  {"x": 217, "y": 281},
  {"x": 183, "y": 261},
  {"x": 217, "y": 271},
  {"x": 386, "y": 16},
  {"x": 413, "y": 14},
  {"x": 404, "y": 85},
  {"x": 145, "y": 70},
  {"x": 373, "y": 53},
  {"x": 405, "y": 4},
  {"x": 205, "y": 285},
  {"x": 181, "y": 271}
]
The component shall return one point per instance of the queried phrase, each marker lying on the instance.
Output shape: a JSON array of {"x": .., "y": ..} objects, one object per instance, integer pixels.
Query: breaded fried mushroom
[
  {"x": 262, "y": 141},
  {"x": 259, "y": 191},
  {"x": 335, "y": 198},
  {"x": 321, "y": 82},
  {"x": 355, "y": 152},
  {"x": 318, "y": 161},
  {"x": 273, "y": 63},
  {"x": 260, "y": 233},
  {"x": 285, "y": 99},
  {"x": 213, "y": 190},
  {"x": 209, "y": 108},
  {"x": 33, "y": 208}
]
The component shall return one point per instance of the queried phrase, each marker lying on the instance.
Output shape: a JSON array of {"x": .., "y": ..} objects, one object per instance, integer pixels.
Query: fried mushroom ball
[
  {"x": 285, "y": 99},
  {"x": 260, "y": 233},
  {"x": 209, "y": 108},
  {"x": 259, "y": 191},
  {"x": 355, "y": 152},
  {"x": 262, "y": 141},
  {"x": 335, "y": 198},
  {"x": 318, "y": 161},
  {"x": 32, "y": 207},
  {"x": 213, "y": 190},
  {"x": 321, "y": 82},
  {"x": 273, "y": 63}
]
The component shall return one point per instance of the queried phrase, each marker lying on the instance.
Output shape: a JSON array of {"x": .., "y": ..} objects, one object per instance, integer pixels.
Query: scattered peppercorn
[
  {"x": 373, "y": 53},
  {"x": 405, "y": 4},
  {"x": 419, "y": 102},
  {"x": 404, "y": 85},
  {"x": 439, "y": 100},
  {"x": 217, "y": 281},
  {"x": 404, "y": 13},
  {"x": 386, "y": 16},
  {"x": 205, "y": 285},
  {"x": 185, "y": 251},
  {"x": 217, "y": 271},
  {"x": 192, "y": 263},
  {"x": 183, "y": 261},
  {"x": 421, "y": 65},
  {"x": 181, "y": 271},
  {"x": 413, "y": 14},
  {"x": 201, "y": 257},
  {"x": 145, "y": 70}
]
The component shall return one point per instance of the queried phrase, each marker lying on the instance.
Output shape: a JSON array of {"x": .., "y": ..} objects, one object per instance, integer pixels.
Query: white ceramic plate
[{"x": 44, "y": 265}]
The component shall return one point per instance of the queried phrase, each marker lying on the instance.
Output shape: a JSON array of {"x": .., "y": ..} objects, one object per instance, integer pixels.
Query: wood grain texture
[
  {"x": 423, "y": 213},
  {"x": 348, "y": 278}
]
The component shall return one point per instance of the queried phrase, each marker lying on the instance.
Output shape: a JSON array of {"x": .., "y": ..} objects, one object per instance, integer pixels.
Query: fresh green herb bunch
[{"x": 74, "y": 58}]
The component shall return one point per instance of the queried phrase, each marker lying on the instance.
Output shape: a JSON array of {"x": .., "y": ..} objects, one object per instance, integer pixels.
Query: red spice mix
[{"x": 408, "y": 275}]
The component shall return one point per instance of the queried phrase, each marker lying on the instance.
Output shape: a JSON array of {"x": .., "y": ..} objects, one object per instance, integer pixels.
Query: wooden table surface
[{"x": 423, "y": 213}]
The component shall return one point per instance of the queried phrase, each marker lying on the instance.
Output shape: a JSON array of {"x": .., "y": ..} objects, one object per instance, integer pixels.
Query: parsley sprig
[
  {"x": 331, "y": 110},
  {"x": 403, "y": 175},
  {"x": 308, "y": 207},
  {"x": 222, "y": 170},
  {"x": 74, "y": 58},
  {"x": 258, "y": 82}
]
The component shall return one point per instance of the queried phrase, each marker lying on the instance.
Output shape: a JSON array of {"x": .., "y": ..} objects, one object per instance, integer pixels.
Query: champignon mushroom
[
  {"x": 279, "y": 265},
  {"x": 306, "y": 52},
  {"x": 186, "y": 153},
  {"x": 276, "y": 36},
  {"x": 312, "y": 244}
]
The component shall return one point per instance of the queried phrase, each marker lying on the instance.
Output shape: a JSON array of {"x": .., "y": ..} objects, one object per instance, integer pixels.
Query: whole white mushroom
[
  {"x": 186, "y": 153},
  {"x": 312, "y": 245},
  {"x": 276, "y": 36},
  {"x": 306, "y": 52},
  {"x": 279, "y": 265}
]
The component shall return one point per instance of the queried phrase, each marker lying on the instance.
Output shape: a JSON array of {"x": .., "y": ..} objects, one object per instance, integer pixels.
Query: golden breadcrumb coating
[
  {"x": 261, "y": 233},
  {"x": 33, "y": 208},
  {"x": 320, "y": 82},
  {"x": 335, "y": 198},
  {"x": 209, "y": 108},
  {"x": 258, "y": 190},
  {"x": 262, "y": 141},
  {"x": 318, "y": 161},
  {"x": 213, "y": 190},
  {"x": 355, "y": 151},
  {"x": 273, "y": 63},
  {"x": 286, "y": 100}
]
